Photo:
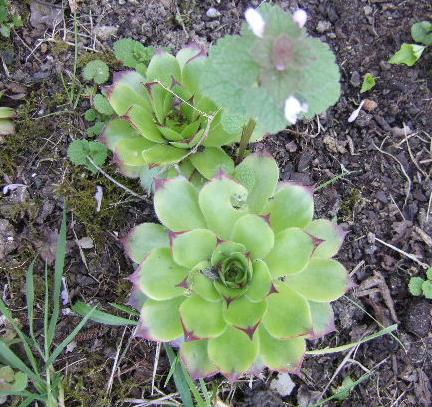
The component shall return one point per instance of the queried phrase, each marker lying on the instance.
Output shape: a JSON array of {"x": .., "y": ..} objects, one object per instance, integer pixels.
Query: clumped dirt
[{"x": 385, "y": 193}]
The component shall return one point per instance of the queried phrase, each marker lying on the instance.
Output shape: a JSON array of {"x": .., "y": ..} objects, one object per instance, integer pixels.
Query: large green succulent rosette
[
  {"x": 238, "y": 272},
  {"x": 162, "y": 119}
]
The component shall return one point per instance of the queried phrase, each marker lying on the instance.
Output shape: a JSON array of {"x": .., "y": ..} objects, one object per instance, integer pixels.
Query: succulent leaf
[
  {"x": 195, "y": 357},
  {"x": 164, "y": 67},
  {"x": 323, "y": 280},
  {"x": 211, "y": 161},
  {"x": 142, "y": 120},
  {"x": 261, "y": 282},
  {"x": 322, "y": 318},
  {"x": 116, "y": 131},
  {"x": 191, "y": 248},
  {"x": 330, "y": 233},
  {"x": 176, "y": 205},
  {"x": 142, "y": 239},
  {"x": 288, "y": 313},
  {"x": 254, "y": 233},
  {"x": 128, "y": 151},
  {"x": 244, "y": 314},
  {"x": 202, "y": 319},
  {"x": 159, "y": 277},
  {"x": 233, "y": 351}
]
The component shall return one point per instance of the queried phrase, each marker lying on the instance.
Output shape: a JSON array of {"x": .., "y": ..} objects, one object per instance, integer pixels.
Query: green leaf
[
  {"x": 160, "y": 320},
  {"x": 342, "y": 392},
  {"x": 202, "y": 319},
  {"x": 429, "y": 273},
  {"x": 162, "y": 154},
  {"x": 159, "y": 277},
  {"x": 255, "y": 234},
  {"x": 422, "y": 32},
  {"x": 281, "y": 354},
  {"x": 223, "y": 202},
  {"x": 291, "y": 252},
  {"x": 96, "y": 129},
  {"x": 97, "y": 71},
  {"x": 292, "y": 206},
  {"x": 288, "y": 313},
  {"x": 323, "y": 280},
  {"x": 164, "y": 67},
  {"x": 129, "y": 152},
  {"x": 191, "y": 248},
  {"x": 101, "y": 104},
  {"x": 7, "y": 127},
  {"x": 259, "y": 286},
  {"x": 195, "y": 357},
  {"x": 322, "y": 319},
  {"x": 90, "y": 115},
  {"x": 202, "y": 285},
  {"x": 211, "y": 161},
  {"x": 233, "y": 352},
  {"x": 427, "y": 289},
  {"x": 7, "y": 112},
  {"x": 415, "y": 286},
  {"x": 176, "y": 205},
  {"x": 243, "y": 313},
  {"x": 142, "y": 120},
  {"x": 259, "y": 173},
  {"x": 408, "y": 54},
  {"x": 79, "y": 150},
  {"x": 132, "y": 53},
  {"x": 101, "y": 317},
  {"x": 369, "y": 82},
  {"x": 330, "y": 233},
  {"x": 142, "y": 239},
  {"x": 116, "y": 131}
]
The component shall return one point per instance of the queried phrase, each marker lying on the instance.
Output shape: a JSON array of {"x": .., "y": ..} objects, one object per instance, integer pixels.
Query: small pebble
[
  {"x": 355, "y": 79},
  {"x": 213, "y": 13},
  {"x": 370, "y": 105},
  {"x": 323, "y": 26}
]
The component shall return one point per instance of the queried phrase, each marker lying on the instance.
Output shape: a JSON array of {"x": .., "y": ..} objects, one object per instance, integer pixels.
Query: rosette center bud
[{"x": 235, "y": 271}]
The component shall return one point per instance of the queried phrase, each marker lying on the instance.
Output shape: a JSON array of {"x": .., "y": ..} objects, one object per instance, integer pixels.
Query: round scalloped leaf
[
  {"x": 163, "y": 67},
  {"x": 322, "y": 319},
  {"x": 129, "y": 151},
  {"x": 292, "y": 206},
  {"x": 101, "y": 104},
  {"x": 142, "y": 239},
  {"x": 330, "y": 233},
  {"x": 255, "y": 234},
  {"x": 283, "y": 355},
  {"x": 202, "y": 319},
  {"x": 323, "y": 280},
  {"x": 288, "y": 313},
  {"x": 222, "y": 202},
  {"x": 176, "y": 205},
  {"x": 190, "y": 248},
  {"x": 291, "y": 252},
  {"x": 211, "y": 161},
  {"x": 159, "y": 277},
  {"x": 259, "y": 286},
  {"x": 160, "y": 320},
  {"x": 243, "y": 313},
  {"x": 115, "y": 131},
  {"x": 195, "y": 357},
  {"x": 265, "y": 173},
  {"x": 233, "y": 352},
  {"x": 96, "y": 70}
]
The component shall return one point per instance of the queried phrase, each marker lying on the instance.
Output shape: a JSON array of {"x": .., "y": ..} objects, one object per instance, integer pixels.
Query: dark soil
[{"x": 386, "y": 195}]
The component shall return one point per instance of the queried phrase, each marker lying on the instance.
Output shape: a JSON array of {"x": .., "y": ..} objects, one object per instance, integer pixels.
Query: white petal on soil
[
  {"x": 293, "y": 108},
  {"x": 356, "y": 112},
  {"x": 98, "y": 197},
  {"x": 300, "y": 17},
  {"x": 65, "y": 292},
  {"x": 12, "y": 187},
  {"x": 255, "y": 21}
]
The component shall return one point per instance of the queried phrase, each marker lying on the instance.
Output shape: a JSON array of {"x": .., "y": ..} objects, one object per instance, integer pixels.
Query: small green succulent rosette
[
  {"x": 162, "y": 120},
  {"x": 238, "y": 272}
]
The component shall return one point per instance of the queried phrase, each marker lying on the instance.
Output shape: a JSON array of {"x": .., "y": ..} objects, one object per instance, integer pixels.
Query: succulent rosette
[
  {"x": 238, "y": 272},
  {"x": 163, "y": 120}
]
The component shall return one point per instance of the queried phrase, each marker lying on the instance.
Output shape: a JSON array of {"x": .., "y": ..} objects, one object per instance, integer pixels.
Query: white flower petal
[
  {"x": 255, "y": 21},
  {"x": 293, "y": 108},
  {"x": 300, "y": 17},
  {"x": 355, "y": 113}
]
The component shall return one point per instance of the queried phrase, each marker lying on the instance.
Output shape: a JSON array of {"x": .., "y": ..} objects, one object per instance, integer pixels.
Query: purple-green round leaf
[
  {"x": 291, "y": 252},
  {"x": 195, "y": 357},
  {"x": 243, "y": 313},
  {"x": 142, "y": 239},
  {"x": 283, "y": 355},
  {"x": 117, "y": 130},
  {"x": 233, "y": 352},
  {"x": 202, "y": 319},
  {"x": 160, "y": 276},
  {"x": 211, "y": 161},
  {"x": 129, "y": 151},
  {"x": 190, "y": 248},
  {"x": 160, "y": 320},
  {"x": 330, "y": 233},
  {"x": 288, "y": 313},
  {"x": 323, "y": 280},
  {"x": 163, "y": 67},
  {"x": 176, "y": 205},
  {"x": 259, "y": 286},
  {"x": 292, "y": 206},
  {"x": 322, "y": 319}
]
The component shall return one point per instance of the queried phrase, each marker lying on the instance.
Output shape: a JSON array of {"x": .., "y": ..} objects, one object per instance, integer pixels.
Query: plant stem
[{"x": 244, "y": 141}]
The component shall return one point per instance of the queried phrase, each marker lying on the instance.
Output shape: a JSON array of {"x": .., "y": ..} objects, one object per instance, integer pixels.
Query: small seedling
[
  {"x": 342, "y": 392},
  {"x": 80, "y": 152},
  {"x": 97, "y": 71},
  {"x": 7, "y": 126},
  {"x": 418, "y": 286},
  {"x": 133, "y": 54},
  {"x": 369, "y": 82},
  {"x": 8, "y": 21},
  {"x": 409, "y": 54}
]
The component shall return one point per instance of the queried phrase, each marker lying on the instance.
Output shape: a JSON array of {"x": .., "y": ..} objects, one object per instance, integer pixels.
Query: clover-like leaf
[
  {"x": 80, "y": 151},
  {"x": 132, "y": 53},
  {"x": 101, "y": 104}
]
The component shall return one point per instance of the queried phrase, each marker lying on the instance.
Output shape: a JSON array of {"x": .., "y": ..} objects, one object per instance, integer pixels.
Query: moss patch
[{"x": 348, "y": 204}]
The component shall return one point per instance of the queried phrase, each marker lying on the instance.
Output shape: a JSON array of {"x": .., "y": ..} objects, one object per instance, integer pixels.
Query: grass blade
[
  {"x": 102, "y": 317},
  {"x": 179, "y": 379},
  {"x": 342, "y": 348},
  {"x": 30, "y": 297},
  {"x": 58, "y": 273},
  {"x": 15, "y": 362},
  {"x": 125, "y": 308},
  {"x": 68, "y": 340}
]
